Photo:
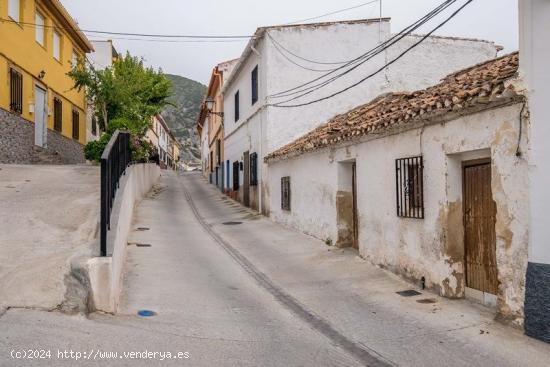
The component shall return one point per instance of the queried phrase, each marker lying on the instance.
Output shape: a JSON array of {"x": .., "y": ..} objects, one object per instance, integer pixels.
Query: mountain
[{"x": 182, "y": 119}]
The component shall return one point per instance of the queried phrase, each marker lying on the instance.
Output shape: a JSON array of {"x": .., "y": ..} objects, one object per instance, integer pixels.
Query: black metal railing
[{"x": 114, "y": 161}]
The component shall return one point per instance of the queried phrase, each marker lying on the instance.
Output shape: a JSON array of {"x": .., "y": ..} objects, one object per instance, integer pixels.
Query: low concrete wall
[{"x": 106, "y": 274}]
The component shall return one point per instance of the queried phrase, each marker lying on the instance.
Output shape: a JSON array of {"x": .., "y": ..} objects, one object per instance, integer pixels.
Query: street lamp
[{"x": 210, "y": 106}]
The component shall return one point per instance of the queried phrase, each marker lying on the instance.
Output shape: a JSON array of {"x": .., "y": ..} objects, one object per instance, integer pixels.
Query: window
[
  {"x": 14, "y": 9},
  {"x": 218, "y": 152},
  {"x": 16, "y": 91},
  {"x": 57, "y": 114},
  {"x": 410, "y": 187},
  {"x": 76, "y": 125},
  {"x": 56, "y": 46},
  {"x": 235, "y": 176},
  {"x": 237, "y": 112},
  {"x": 94, "y": 126},
  {"x": 74, "y": 59},
  {"x": 39, "y": 21},
  {"x": 255, "y": 85},
  {"x": 254, "y": 169},
  {"x": 285, "y": 193}
]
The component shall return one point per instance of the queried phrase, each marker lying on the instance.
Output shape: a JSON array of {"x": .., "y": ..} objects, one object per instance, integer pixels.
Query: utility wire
[
  {"x": 366, "y": 56},
  {"x": 332, "y": 13},
  {"x": 455, "y": 13},
  {"x": 292, "y": 61},
  {"x": 273, "y": 40},
  {"x": 124, "y": 33}
]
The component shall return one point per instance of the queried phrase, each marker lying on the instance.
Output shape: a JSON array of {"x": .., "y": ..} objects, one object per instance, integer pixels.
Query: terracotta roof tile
[{"x": 477, "y": 85}]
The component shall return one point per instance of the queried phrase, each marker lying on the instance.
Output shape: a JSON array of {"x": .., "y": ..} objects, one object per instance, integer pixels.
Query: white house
[
  {"x": 254, "y": 126},
  {"x": 103, "y": 57},
  {"x": 432, "y": 185},
  {"x": 535, "y": 58}
]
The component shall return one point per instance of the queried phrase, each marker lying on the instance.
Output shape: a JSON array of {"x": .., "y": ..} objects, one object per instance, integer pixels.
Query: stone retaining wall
[{"x": 17, "y": 144}]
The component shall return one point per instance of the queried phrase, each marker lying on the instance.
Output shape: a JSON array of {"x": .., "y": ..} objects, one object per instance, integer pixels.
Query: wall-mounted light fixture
[
  {"x": 210, "y": 106},
  {"x": 41, "y": 75}
]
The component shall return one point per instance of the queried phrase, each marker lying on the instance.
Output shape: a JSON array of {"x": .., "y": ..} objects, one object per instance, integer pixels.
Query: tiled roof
[{"x": 476, "y": 86}]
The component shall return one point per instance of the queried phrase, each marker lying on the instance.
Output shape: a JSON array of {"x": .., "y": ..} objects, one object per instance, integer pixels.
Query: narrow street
[{"x": 257, "y": 294}]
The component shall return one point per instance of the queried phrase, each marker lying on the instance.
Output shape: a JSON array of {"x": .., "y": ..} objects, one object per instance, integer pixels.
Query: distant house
[
  {"x": 38, "y": 105},
  {"x": 430, "y": 184},
  {"x": 165, "y": 143},
  {"x": 211, "y": 121},
  {"x": 280, "y": 58},
  {"x": 103, "y": 57}
]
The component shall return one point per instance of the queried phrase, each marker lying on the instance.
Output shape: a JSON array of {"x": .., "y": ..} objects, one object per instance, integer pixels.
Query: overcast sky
[{"x": 494, "y": 20}]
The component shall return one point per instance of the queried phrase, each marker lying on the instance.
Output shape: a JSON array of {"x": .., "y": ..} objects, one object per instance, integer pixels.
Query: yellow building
[{"x": 39, "y": 44}]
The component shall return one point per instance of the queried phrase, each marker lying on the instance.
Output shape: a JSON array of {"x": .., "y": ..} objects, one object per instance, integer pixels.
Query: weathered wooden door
[
  {"x": 246, "y": 179},
  {"x": 479, "y": 228},
  {"x": 355, "y": 243}
]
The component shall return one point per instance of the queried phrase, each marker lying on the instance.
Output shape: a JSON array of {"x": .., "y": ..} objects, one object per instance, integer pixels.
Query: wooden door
[
  {"x": 355, "y": 239},
  {"x": 246, "y": 179},
  {"x": 479, "y": 228}
]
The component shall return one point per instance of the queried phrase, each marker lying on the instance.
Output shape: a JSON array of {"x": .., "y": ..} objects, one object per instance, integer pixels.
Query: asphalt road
[{"x": 257, "y": 294}]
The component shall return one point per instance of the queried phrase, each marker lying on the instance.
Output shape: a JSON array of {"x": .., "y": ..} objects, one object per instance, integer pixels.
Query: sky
[{"x": 494, "y": 20}]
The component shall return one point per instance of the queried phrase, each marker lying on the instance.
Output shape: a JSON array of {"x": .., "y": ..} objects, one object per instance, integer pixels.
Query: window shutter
[
  {"x": 237, "y": 110},
  {"x": 76, "y": 125},
  {"x": 255, "y": 85},
  {"x": 57, "y": 114}
]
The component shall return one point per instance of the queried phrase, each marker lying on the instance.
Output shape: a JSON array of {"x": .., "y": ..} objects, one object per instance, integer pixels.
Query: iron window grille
[
  {"x": 409, "y": 179},
  {"x": 76, "y": 125},
  {"x": 16, "y": 91},
  {"x": 94, "y": 126},
  {"x": 285, "y": 193},
  {"x": 235, "y": 176},
  {"x": 237, "y": 110},
  {"x": 254, "y": 169},
  {"x": 254, "y": 78},
  {"x": 57, "y": 114}
]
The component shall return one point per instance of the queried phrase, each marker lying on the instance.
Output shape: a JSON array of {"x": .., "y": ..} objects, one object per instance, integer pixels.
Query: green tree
[{"x": 125, "y": 96}]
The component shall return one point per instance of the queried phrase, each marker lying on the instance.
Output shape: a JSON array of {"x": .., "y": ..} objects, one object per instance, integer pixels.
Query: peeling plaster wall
[{"x": 431, "y": 248}]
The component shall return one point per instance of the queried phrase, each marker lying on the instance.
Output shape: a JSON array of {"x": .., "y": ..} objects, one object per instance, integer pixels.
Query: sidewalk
[{"x": 360, "y": 300}]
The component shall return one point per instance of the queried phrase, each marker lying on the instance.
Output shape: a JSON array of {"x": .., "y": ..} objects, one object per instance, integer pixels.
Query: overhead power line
[
  {"x": 333, "y": 12},
  {"x": 318, "y": 82},
  {"x": 454, "y": 14},
  {"x": 145, "y": 35}
]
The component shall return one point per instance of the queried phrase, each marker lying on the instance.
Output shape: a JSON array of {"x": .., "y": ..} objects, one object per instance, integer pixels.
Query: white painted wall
[
  {"x": 102, "y": 57},
  {"x": 106, "y": 273},
  {"x": 534, "y": 61},
  {"x": 333, "y": 43},
  {"x": 411, "y": 247}
]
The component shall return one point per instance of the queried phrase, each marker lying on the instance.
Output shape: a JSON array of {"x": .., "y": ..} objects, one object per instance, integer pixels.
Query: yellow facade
[{"x": 20, "y": 50}]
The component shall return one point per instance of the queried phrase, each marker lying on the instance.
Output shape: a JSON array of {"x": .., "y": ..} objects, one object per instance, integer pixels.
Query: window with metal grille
[
  {"x": 285, "y": 193},
  {"x": 57, "y": 114},
  {"x": 94, "y": 126},
  {"x": 255, "y": 85},
  {"x": 218, "y": 152},
  {"x": 16, "y": 91},
  {"x": 409, "y": 178},
  {"x": 236, "y": 176},
  {"x": 254, "y": 169},
  {"x": 76, "y": 125},
  {"x": 237, "y": 110}
]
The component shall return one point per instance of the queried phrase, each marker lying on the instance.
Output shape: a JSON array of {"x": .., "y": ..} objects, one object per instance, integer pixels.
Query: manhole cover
[
  {"x": 146, "y": 313},
  {"x": 232, "y": 223},
  {"x": 409, "y": 293},
  {"x": 427, "y": 300}
]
